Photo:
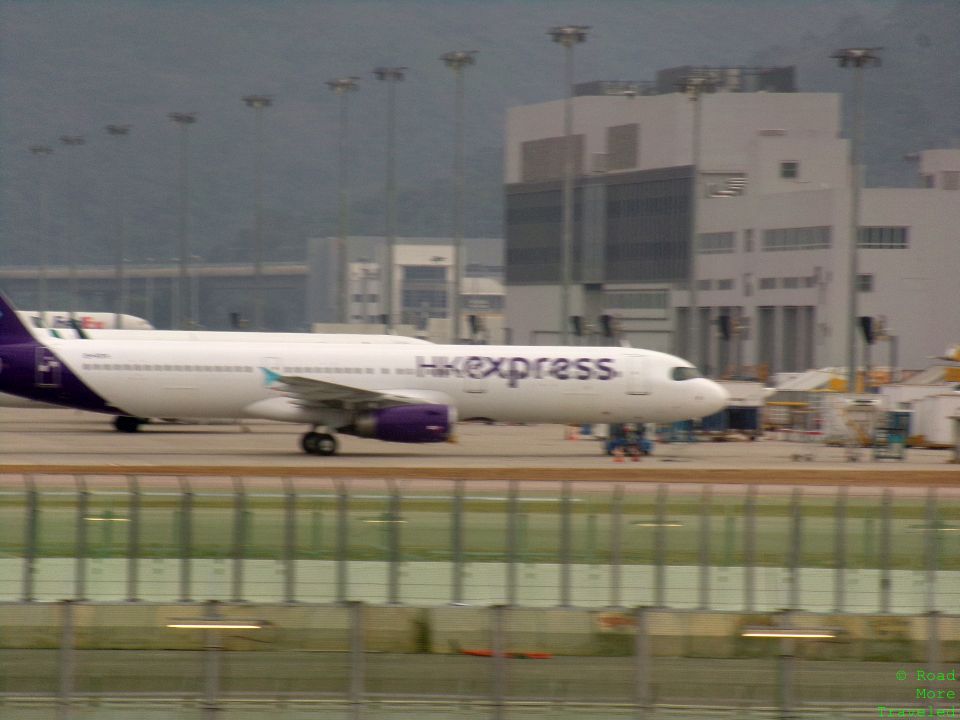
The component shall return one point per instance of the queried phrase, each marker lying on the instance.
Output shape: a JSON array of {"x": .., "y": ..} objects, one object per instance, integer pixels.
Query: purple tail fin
[{"x": 12, "y": 330}]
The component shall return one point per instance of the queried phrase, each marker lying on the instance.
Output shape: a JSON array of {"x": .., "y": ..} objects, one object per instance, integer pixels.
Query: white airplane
[{"x": 399, "y": 393}]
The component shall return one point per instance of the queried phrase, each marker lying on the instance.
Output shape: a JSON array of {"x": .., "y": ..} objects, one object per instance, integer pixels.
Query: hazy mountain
[{"x": 74, "y": 67}]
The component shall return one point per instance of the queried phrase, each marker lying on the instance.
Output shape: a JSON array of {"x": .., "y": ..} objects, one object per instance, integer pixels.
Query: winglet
[
  {"x": 12, "y": 329},
  {"x": 269, "y": 376}
]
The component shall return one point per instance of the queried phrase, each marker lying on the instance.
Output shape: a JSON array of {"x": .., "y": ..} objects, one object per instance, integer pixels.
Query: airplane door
[
  {"x": 638, "y": 381},
  {"x": 474, "y": 385},
  {"x": 47, "y": 369}
]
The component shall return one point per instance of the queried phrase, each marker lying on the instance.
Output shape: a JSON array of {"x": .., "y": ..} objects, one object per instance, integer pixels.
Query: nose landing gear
[{"x": 315, "y": 443}]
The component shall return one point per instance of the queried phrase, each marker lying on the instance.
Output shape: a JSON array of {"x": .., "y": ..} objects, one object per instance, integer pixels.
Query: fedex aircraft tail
[{"x": 12, "y": 329}]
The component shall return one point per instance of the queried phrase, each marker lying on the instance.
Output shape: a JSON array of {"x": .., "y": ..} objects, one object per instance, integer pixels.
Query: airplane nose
[{"x": 717, "y": 396}]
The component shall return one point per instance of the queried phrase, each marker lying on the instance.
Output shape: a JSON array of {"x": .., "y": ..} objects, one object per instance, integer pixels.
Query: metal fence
[
  {"x": 75, "y": 661},
  {"x": 567, "y": 544}
]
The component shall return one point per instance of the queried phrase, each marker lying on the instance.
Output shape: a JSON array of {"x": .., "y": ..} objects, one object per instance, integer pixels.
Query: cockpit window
[{"x": 685, "y": 373}]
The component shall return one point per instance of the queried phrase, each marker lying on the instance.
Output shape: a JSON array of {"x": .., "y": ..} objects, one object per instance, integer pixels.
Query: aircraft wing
[{"x": 308, "y": 392}]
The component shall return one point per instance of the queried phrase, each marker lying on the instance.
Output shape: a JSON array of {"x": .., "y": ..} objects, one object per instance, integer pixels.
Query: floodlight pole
[
  {"x": 119, "y": 131},
  {"x": 42, "y": 246},
  {"x": 343, "y": 87},
  {"x": 258, "y": 103},
  {"x": 69, "y": 249},
  {"x": 457, "y": 61},
  {"x": 857, "y": 58},
  {"x": 694, "y": 86},
  {"x": 568, "y": 36},
  {"x": 180, "y": 304},
  {"x": 390, "y": 75}
]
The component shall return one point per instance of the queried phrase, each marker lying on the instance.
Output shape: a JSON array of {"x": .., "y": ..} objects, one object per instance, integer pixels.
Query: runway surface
[{"x": 66, "y": 441}]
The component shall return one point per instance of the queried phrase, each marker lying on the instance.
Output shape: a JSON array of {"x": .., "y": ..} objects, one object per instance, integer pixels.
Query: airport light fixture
[
  {"x": 258, "y": 103},
  {"x": 42, "y": 244},
  {"x": 119, "y": 131},
  {"x": 201, "y": 623},
  {"x": 391, "y": 76},
  {"x": 342, "y": 87},
  {"x": 457, "y": 60},
  {"x": 858, "y": 59},
  {"x": 568, "y": 36},
  {"x": 788, "y": 632},
  {"x": 180, "y": 304}
]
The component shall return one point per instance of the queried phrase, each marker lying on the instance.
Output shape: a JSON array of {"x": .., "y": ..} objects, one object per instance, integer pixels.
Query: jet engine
[{"x": 404, "y": 423}]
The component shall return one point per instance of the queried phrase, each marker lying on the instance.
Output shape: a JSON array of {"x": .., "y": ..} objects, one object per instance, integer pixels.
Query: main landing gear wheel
[
  {"x": 127, "y": 423},
  {"x": 316, "y": 443}
]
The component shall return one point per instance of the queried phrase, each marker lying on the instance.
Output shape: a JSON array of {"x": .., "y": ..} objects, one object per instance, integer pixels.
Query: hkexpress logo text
[{"x": 515, "y": 369}]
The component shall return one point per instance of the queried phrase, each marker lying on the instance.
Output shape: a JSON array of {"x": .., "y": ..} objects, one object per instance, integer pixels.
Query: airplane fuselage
[{"x": 520, "y": 384}]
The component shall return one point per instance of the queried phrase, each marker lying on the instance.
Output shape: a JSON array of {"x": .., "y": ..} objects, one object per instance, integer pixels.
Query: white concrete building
[
  {"x": 423, "y": 280},
  {"x": 772, "y": 217}
]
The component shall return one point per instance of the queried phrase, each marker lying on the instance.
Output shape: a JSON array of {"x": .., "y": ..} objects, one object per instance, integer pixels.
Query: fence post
[
  {"x": 133, "y": 540},
  {"x": 705, "y": 512},
  {"x": 239, "y": 537},
  {"x": 885, "y": 540},
  {"x": 616, "y": 546},
  {"x": 565, "y": 538},
  {"x": 796, "y": 538},
  {"x": 750, "y": 548},
  {"x": 186, "y": 538},
  {"x": 659, "y": 547},
  {"x": 289, "y": 541},
  {"x": 785, "y": 670},
  {"x": 456, "y": 544},
  {"x": 513, "y": 519},
  {"x": 641, "y": 651},
  {"x": 30, "y": 540},
  {"x": 66, "y": 662},
  {"x": 80, "y": 561},
  {"x": 212, "y": 656},
  {"x": 343, "y": 530},
  {"x": 357, "y": 659},
  {"x": 933, "y": 548},
  {"x": 393, "y": 552},
  {"x": 840, "y": 550},
  {"x": 499, "y": 646}
]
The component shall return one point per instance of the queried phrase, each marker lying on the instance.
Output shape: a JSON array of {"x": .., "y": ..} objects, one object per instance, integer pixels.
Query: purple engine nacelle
[{"x": 405, "y": 423}]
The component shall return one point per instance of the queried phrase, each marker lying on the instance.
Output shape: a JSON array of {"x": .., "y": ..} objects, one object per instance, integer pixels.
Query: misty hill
[{"x": 72, "y": 68}]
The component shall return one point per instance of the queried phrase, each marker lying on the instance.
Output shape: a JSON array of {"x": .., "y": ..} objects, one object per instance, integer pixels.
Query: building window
[
  {"x": 623, "y": 142},
  {"x": 789, "y": 170},
  {"x": 951, "y": 180},
  {"x": 791, "y": 283},
  {"x": 636, "y": 300},
  {"x": 884, "y": 238},
  {"x": 424, "y": 298},
  {"x": 726, "y": 284},
  {"x": 805, "y": 238},
  {"x": 768, "y": 283},
  {"x": 705, "y": 285},
  {"x": 425, "y": 272},
  {"x": 865, "y": 283},
  {"x": 718, "y": 242}
]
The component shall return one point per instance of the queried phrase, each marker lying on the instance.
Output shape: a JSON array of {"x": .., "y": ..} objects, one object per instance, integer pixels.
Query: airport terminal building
[{"x": 770, "y": 207}]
